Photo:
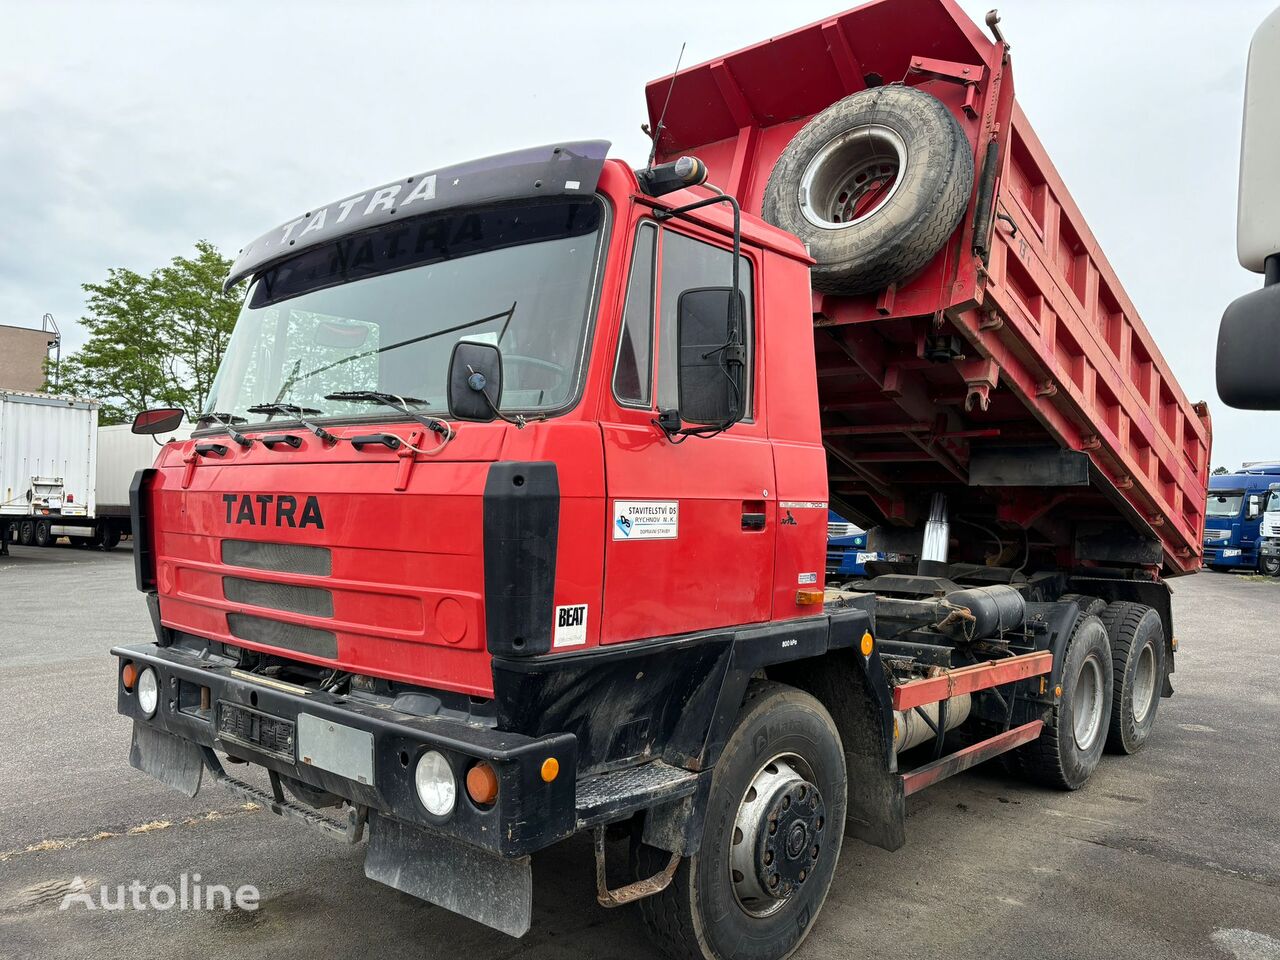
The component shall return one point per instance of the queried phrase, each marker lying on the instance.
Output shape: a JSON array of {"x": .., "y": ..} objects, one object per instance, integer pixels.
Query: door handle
[{"x": 753, "y": 515}]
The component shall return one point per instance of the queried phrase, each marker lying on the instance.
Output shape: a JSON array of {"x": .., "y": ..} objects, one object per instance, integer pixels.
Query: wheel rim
[
  {"x": 778, "y": 835},
  {"x": 1087, "y": 703},
  {"x": 852, "y": 177},
  {"x": 1144, "y": 683}
]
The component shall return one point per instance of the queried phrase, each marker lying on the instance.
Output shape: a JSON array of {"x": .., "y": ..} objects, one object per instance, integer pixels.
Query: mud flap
[
  {"x": 177, "y": 763},
  {"x": 469, "y": 881}
]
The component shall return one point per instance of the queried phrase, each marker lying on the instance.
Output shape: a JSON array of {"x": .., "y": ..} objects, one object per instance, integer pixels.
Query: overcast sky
[{"x": 130, "y": 130}]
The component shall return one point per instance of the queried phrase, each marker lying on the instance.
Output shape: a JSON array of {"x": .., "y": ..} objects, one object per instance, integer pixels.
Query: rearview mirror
[
  {"x": 1249, "y": 338},
  {"x": 159, "y": 420},
  {"x": 710, "y": 357},
  {"x": 475, "y": 381},
  {"x": 1254, "y": 510}
]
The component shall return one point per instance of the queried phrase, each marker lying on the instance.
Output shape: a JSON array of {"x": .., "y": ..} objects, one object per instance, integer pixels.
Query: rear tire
[
  {"x": 43, "y": 534},
  {"x": 1071, "y": 743},
  {"x": 26, "y": 532},
  {"x": 874, "y": 185},
  {"x": 719, "y": 907},
  {"x": 110, "y": 538},
  {"x": 1138, "y": 663}
]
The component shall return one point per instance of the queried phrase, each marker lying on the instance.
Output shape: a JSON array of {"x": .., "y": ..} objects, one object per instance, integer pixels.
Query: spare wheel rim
[{"x": 853, "y": 177}]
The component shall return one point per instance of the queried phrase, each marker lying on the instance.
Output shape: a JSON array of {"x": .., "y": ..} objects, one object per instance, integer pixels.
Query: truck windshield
[
  {"x": 1225, "y": 504},
  {"x": 381, "y": 311}
]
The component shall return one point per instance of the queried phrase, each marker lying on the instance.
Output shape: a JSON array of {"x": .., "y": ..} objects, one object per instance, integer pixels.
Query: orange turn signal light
[
  {"x": 129, "y": 675},
  {"x": 550, "y": 769},
  {"x": 868, "y": 643},
  {"x": 808, "y": 598},
  {"x": 482, "y": 783}
]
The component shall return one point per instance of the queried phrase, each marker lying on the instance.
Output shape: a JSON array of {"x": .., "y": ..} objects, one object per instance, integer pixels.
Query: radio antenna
[{"x": 657, "y": 131}]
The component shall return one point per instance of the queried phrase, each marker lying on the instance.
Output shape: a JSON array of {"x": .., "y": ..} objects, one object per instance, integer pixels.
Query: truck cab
[
  {"x": 1233, "y": 520},
  {"x": 1269, "y": 532}
]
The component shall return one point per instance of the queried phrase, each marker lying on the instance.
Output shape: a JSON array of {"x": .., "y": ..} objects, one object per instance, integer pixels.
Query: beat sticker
[{"x": 571, "y": 626}]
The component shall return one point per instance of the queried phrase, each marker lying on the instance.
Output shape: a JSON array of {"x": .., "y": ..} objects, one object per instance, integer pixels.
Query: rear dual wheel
[
  {"x": 773, "y": 827},
  {"x": 1138, "y": 666},
  {"x": 1071, "y": 743}
]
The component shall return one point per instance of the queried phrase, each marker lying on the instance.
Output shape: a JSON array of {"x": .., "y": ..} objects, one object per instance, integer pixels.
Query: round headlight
[
  {"x": 437, "y": 788},
  {"x": 148, "y": 691}
]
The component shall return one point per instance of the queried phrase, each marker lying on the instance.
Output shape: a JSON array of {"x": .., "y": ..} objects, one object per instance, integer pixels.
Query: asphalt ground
[{"x": 1172, "y": 853}]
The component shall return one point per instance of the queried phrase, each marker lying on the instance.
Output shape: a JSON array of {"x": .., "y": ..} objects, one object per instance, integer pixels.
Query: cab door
[{"x": 691, "y": 524}]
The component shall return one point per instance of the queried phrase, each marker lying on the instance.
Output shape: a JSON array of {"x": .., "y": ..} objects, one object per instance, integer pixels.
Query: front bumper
[{"x": 196, "y": 695}]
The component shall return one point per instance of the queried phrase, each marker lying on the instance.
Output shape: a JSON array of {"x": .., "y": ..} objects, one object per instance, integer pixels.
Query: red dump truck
[{"x": 507, "y": 516}]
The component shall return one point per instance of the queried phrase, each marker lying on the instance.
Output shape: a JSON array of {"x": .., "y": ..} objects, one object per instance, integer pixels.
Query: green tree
[
  {"x": 154, "y": 340},
  {"x": 1219, "y": 471}
]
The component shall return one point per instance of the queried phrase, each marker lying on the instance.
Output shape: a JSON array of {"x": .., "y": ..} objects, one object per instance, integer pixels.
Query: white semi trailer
[{"x": 61, "y": 475}]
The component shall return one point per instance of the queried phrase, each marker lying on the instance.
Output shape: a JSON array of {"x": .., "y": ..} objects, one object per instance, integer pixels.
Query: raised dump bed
[{"x": 988, "y": 351}]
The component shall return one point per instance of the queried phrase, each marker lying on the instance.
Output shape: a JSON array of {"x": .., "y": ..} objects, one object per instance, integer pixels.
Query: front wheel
[
  {"x": 1270, "y": 566},
  {"x": 774, "y": 823}
]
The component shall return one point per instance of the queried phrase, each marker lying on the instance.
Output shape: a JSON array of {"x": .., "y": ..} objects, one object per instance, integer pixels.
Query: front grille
[
  {"x": 312, "y": 601},
  {"x": 281, "y": 557},
  {"x": 288, "y": 636}
]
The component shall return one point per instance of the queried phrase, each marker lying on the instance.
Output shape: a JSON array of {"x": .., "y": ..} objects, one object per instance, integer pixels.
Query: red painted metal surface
[
  {"x": 954, "y": 763},
  {"x": 1053, "y": 349},
  {"x": 980, "y": 676},
  {"x": 405, "y": 530}
]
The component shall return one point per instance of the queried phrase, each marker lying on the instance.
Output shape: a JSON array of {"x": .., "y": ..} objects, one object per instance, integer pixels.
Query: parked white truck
[{"x": 61, "y": 475}]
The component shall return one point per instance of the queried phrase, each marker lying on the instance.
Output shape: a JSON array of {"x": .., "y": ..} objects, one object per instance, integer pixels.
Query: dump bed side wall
[
  {"x": 1045, "y": 317},
  {"x": 1114, "y": 394}
]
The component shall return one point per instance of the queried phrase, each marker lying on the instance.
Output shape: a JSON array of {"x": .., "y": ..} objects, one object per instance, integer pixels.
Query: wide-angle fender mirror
[
  {"x": 711, "y": 356},
  {"x": 1254, "y": 509},
  {"x": 158, "y": 420},
  {"x": 1249, "y": 338},
  {"x": 475, "y": 381}
]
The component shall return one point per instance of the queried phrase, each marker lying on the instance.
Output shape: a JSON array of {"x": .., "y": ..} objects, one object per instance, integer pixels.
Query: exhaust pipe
[{"x": 937, "y": 532}]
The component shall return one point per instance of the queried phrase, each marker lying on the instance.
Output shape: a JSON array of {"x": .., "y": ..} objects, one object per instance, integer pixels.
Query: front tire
[
  {"x": 772, "y": 835},
  {"x": 1270, "y": 566},
  {"x": 1071, "y": 743}
]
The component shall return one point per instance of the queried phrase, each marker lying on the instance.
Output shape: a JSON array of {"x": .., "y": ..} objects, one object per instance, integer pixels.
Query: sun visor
[{"x": 555, "y": 170}]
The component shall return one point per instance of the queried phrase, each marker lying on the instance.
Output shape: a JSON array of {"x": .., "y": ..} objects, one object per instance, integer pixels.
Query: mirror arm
[{"x": 733, "y": 349}]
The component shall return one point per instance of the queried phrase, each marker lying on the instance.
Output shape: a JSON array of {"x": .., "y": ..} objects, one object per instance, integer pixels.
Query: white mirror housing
[{"x": 1258, "y": 215}]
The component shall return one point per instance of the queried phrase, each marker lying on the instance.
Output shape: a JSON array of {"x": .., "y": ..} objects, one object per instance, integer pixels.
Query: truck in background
[
  {"x": 48, "y": 464},
  {"x": 507, "y": 520},
  {"x": 63, "y": 476},
  {"x": 847, "y": 553},
  {"x": 1233, "y": 519},
  {"x": 1269, "y": 531}
]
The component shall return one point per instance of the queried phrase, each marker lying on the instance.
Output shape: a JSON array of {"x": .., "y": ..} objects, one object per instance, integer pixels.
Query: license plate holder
[{"x": 256, "y": 730}]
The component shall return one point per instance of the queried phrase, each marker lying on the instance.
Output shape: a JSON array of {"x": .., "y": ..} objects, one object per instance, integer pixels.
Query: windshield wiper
[
  {"x": 228, "y": 420},
  {"x": 396, "y": 402},
  {"x": 301, "y": 413}
]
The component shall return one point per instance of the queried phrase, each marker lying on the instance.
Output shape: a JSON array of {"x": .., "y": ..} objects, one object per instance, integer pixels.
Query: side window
[
  {"x": 633, "y": 370},
  {"x": 688, "y": 264}
]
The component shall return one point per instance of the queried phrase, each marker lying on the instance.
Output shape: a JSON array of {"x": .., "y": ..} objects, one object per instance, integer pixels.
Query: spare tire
[{"x": 874, "y": 185}]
